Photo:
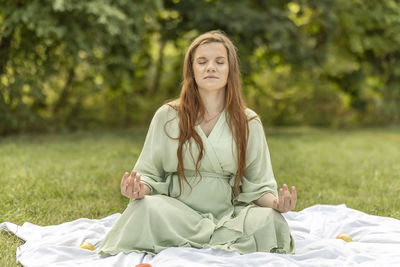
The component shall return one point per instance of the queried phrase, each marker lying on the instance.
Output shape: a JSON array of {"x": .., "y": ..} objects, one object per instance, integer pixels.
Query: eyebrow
[{"x": 206, "y": 58}]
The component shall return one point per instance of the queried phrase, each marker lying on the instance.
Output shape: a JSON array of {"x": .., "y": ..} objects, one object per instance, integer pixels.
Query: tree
[{"x": 45, "y": 42}]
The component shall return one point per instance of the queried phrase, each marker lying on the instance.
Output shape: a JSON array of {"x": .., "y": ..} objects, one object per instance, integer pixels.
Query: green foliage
[
  {"x": 347, "y": 74},
  {"x": 58, "y": 53},
  {"x": 361, "y": 40},
  {"x": 84, "y": 64}
]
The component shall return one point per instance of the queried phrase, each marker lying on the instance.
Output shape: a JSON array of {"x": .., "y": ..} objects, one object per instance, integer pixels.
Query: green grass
[{"x": 50, "y": 179}]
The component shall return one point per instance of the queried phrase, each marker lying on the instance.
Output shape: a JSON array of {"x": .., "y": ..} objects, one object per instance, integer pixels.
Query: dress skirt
[{"x": 157, "y": 222}]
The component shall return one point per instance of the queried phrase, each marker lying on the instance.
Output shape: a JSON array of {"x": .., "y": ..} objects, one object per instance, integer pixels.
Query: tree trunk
[
  {"x": 5, "y": 52},
  {"x": 159, "y": 66}
]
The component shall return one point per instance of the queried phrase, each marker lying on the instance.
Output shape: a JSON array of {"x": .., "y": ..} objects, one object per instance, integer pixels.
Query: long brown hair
[{"x": 191, "y": 107}]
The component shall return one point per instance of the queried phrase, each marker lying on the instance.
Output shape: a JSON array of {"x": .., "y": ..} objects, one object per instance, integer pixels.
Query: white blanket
[{"x": 376, "y": 242}]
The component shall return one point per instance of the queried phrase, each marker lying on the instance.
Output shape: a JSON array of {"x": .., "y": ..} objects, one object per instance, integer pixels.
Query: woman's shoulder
[
  {"x": 252, "y": 115},
  {"x": 166, "y": 111},
  {"x": 256, "y": 126}
]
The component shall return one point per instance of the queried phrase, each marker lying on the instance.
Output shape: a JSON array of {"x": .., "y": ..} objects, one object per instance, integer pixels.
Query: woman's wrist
[
  {"x": 147, "y": 189},
  {"x": 266, "y": 200}
]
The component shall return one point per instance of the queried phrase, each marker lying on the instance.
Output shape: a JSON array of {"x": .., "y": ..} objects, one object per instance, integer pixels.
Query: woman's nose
[{"x": 210, "y": 67}]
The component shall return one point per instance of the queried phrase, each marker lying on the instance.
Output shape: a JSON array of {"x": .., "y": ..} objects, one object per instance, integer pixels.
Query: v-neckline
[{"x": 213, "y": 128}]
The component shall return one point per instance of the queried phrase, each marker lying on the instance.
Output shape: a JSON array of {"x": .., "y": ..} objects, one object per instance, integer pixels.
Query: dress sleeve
[
  {"x": 150, "y": 162},
  {"x": 258, "y": 178}
]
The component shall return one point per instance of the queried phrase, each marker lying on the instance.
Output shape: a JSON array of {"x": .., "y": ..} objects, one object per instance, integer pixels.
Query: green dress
[{"x": 206, "y": 215}]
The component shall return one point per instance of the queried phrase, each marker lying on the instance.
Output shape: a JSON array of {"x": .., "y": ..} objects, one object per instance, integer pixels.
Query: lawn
[{"x": 54, "y": 178}]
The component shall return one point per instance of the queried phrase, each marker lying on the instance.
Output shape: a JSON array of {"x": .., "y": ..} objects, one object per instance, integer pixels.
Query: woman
[{"x": 204, "y": 177}]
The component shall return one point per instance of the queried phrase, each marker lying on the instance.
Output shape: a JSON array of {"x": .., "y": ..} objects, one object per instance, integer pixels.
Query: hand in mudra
[
  {"x": 132, "y": 187},
  {"x": 286, "y": 201}
]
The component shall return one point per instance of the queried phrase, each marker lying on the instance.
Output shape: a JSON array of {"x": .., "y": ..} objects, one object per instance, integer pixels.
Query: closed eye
[{"x": 204, "y": 62}]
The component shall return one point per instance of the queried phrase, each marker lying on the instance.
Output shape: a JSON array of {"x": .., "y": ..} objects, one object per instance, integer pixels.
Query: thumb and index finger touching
[
  {"x": 130, "y": 179},
  {"x": 133, "y": 180},
  {"x": 286, "y": 200}
]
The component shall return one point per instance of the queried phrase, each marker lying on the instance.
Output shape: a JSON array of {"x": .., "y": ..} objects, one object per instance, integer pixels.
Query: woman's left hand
[{"x": 286, "y": 201}]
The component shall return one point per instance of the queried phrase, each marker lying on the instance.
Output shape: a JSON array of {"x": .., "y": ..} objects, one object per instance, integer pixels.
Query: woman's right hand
[{"x": 132, "y": 187}]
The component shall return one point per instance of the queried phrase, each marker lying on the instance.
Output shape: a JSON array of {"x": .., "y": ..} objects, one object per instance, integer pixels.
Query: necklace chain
[{"x": 207, "y": 121}]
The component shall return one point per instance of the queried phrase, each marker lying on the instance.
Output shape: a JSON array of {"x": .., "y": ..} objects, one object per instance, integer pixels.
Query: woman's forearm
[{"x": 266, "y": 200}]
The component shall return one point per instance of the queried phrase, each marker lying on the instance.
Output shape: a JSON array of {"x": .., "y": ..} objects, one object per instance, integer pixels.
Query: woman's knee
[{"x": 259, "y": 217}]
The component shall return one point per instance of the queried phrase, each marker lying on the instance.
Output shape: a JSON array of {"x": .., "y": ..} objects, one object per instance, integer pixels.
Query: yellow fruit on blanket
[
  {"x": 87, "y": 245},
  {"x": 345, "y": 237}
]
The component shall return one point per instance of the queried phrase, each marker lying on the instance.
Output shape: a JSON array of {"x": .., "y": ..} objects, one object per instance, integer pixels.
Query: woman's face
[{"x": 210, "y": 66}]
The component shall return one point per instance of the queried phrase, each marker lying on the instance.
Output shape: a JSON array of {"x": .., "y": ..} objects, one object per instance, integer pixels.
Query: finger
[
  {"x": 123, "y": 182},
  {"x": 139, "y": 181},
  {"x": 294, "y": 198},
  {"x": 139, "y": 184},
  {"x": 126, "y": 183},
  {"x": 141, "y": 191},
  {"x": 129, "y": 190},
  {"x": 133, "y": 173},
  {"x": 285, "y": 188},
  {"x": 129, "y": 183},
  {"x": 287, "y": 201},
  {"x": 124, "y": 177},
  {"x": 135, "y": 184},
  {"x": 281, "y": 199},
  {"x": 294, "y": 192},
  {"x": 286, "y": 198}
]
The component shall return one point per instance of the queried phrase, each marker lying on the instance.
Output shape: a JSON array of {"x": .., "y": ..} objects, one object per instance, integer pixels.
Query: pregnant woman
[{"x": 204, "y": 177}]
